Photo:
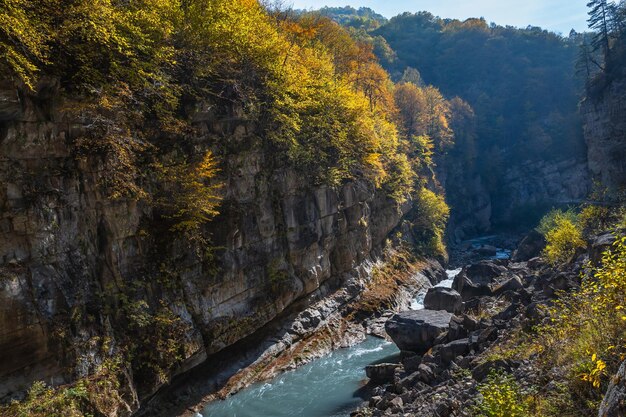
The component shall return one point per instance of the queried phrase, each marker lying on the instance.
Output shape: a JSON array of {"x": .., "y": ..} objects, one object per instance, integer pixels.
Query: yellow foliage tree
[
  {"x": 564, "y": 238},
  {"x": 192, "y": 192}
]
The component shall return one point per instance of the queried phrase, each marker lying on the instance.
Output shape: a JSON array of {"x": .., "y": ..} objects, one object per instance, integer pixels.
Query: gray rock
[
  {"x": 599, "y": 245},
  {"x": 530, "y": 247},
  {"x": 480, "y": 372},
  {"x": 457, "y": 330},
  {"x": 453, "y": 349},
  {"x": 510, "y": 312},
  {"x": 447, "y": 299},
  {"x": 536, "y": 313},
  {"x": 487, "y": 250},
  {"x": 426, "y": 373},
  {"x": 416, "y": 331},
  {"x": 479, "y": 338},
  {"x": 475, "y": 280},
  {"x": 512, "y": 284},
  {"x": 411, "y": 363},
  {"x": 614, "y": 402},
  {"x": 383, "y": 373},
  {"x": 535, "y": 263},
  {"x": 562, "y": 281}
]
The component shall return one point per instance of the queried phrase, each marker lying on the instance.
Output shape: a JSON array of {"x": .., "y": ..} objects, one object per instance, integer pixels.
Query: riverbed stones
[
  {"x": 417, "y": 331},
  {"x": 439, "y": 298}
]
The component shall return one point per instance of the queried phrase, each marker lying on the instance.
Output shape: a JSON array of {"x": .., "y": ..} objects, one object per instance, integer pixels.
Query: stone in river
[{"x": 417, "y": 331}]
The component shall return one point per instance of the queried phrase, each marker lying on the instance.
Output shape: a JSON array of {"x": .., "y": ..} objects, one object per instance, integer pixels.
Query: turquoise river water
[{"x": 326, "y": 387}]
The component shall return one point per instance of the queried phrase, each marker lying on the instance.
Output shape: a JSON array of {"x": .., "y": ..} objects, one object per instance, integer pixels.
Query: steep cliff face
[
  {"x": 604, "y": 120},
  {"x": 72, "y": 259},
  {"x": 540, "y": 185},
  {"x": 525, "y": 192}
]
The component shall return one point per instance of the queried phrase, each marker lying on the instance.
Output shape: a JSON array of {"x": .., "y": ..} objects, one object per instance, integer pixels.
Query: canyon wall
[
  {"x": 525, "y": 192},
  {"x": 75, "y": 264},
  {"x": 604, "y": 120}
]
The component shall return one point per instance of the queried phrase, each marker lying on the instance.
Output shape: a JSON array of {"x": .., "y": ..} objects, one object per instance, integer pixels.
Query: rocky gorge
[{"x": 202, "y": 202}]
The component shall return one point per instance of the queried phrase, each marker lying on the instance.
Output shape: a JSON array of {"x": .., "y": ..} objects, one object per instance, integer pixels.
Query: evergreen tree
[
  {"x": 600, "y": 20},
  {"x": 587, "y": 64}
]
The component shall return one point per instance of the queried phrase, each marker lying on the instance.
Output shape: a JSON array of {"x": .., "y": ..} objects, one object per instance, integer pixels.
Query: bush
[
  {"x": 563, "y": 235},
  {"x": 595, "y": 219},
  {"x": 97, "y": 395},
  {"x": 585, "y": 341},
  {"x": 192, "y": 194},
  {"x": 501, "y": 396},
  {"x": 549, "y": 221}
]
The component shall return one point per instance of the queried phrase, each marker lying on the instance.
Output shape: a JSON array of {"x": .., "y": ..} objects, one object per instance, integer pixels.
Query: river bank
[
  {"x": 336, "y": 380},
  {"x": 342, "y": 319}
]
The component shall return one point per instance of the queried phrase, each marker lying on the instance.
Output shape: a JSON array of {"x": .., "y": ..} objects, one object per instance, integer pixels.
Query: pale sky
[{"x": 555, "y": 15}]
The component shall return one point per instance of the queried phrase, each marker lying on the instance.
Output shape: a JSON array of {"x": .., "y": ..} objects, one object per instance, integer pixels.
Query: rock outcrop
[
  {"x": 477, "y": 279},
  {"x": 527, "y": 189},
  {"x": 530, "y": 247}
]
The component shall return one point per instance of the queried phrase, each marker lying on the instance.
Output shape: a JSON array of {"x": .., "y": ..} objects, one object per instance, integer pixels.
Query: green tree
[{"x": 600, "y": 21}]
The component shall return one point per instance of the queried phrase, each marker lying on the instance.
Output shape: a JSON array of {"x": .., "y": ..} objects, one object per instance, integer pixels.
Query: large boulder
[
  {"x": 475, "y": 280},
  {"x": 382, "y": 373},
  {"x": 439, "y": 298},
  {"x": 417, "y": 331},
  {"x": 530, "y": 247},
  {"x": 614, "y": 402}
]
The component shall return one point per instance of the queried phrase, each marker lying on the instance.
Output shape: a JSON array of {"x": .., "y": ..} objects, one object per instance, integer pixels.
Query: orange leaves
[
  {"x": 424, "y": 112},
  {"x": 300, "y": 31}
]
